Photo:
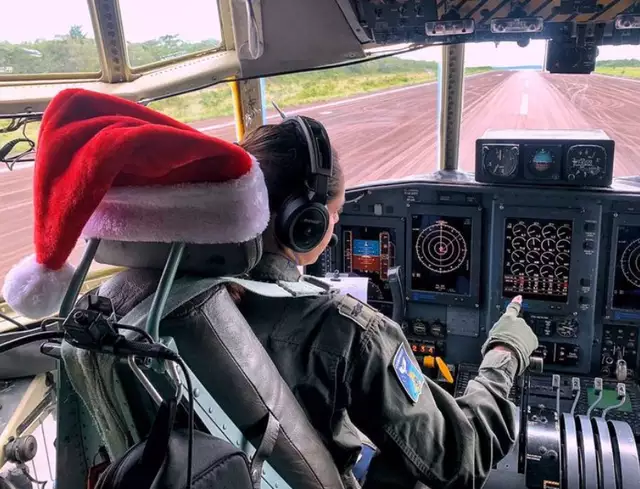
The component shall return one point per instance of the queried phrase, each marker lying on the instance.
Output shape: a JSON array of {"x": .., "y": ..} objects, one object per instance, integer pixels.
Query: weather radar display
[
  {"x": 626, "y": 293},
  {"x": 441, "y": 254}
]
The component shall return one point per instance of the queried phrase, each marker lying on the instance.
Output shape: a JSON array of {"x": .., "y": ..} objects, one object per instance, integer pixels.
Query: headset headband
[{"x": 320, "y": 158}]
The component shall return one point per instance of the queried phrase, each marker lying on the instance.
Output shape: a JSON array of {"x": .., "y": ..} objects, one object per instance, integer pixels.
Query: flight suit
[{"x": 348, "y": 364}]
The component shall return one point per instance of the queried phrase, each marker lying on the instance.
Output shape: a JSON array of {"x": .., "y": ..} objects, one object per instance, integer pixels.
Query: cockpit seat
[{"x": 222, "y": 351}]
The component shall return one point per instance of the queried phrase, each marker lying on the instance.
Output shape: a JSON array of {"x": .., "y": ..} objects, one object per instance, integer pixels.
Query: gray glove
[{"x": 514, "y": 333}]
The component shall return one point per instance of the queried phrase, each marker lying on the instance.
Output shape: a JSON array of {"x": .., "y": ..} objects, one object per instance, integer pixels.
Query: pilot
[
  {"x": 347, "y": 364},
  {"x": 350, "y": 365}
]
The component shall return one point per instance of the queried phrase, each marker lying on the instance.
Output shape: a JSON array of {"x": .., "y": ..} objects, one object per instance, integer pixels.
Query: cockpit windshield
[
  {"x": 382, "y": 115},
  {"x": 517, "y": 94}
]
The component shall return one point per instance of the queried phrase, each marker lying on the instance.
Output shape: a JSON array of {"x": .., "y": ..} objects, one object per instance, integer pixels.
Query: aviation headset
[{"x": 303, "y": 219}]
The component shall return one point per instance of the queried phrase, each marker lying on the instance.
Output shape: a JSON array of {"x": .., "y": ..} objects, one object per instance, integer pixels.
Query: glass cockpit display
[
  {"x": 626, "y": 288},
  {"x": 370, "y": 252},
  {"x": 441, "y": 258},
  {"x": 537, "y": 259}
]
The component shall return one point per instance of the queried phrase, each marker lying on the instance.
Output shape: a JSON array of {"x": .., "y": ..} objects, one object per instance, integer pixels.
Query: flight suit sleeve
[{"x": 440, "y": 440}]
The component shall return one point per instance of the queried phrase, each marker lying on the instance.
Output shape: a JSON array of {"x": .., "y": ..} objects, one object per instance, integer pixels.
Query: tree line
[{"x": 75, "y": 52}]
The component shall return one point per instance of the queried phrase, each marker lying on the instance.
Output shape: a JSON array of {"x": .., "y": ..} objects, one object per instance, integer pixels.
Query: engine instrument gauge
[
  {"x": 500, "y": 160},
  {"x": 586, "y": 162},
  {"x": 542, "y": 271}
]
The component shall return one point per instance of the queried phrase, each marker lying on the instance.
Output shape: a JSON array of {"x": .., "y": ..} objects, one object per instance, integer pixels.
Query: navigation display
[
  {"x": 370, "y": 252},
  {"x": 626, "y": 280},
  {"x": 537, "y": 258},
  {"x": 441, "y": 258}
]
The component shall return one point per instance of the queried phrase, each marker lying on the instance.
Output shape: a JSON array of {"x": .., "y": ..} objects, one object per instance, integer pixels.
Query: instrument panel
[
  {"x": 560, "y": 157},
  {"x": 465, "y": 249}
]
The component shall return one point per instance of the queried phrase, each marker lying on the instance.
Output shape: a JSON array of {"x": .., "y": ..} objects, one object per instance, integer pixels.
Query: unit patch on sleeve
[{"x": 409, "y": 375}]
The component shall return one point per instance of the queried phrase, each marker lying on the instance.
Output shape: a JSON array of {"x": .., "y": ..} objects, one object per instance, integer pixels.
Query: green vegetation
[
  {"x": 304, "y": 88},
  {"x": 74, "y": 52},
  {"x": 628, "y": 68},
  {"x": 474, "y": 70}
]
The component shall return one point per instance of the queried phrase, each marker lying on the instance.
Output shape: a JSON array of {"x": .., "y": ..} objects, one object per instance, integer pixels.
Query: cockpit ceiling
[{"x": 280, "y": 36}]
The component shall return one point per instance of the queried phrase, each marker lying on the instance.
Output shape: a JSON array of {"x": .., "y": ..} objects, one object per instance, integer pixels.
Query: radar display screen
[
  {"x": 441, "y": 258},
  {"x": 537, "y": 258},
  {"x": 626, "y": 281},
  {"x": 370, "y": 252}
]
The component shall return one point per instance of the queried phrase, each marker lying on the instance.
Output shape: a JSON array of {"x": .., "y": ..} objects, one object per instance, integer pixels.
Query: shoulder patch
[
  {"x": 359, "y": 312},
  {"x": 409, "y": 375}
]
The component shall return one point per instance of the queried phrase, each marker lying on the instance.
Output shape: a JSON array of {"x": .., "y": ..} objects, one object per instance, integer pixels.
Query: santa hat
[{"x": 113, "y": 169}]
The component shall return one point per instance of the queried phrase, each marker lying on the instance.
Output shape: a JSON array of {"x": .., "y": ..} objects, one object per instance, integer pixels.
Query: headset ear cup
[
  {"x": 301, "y": 225},
  {"x": 284, "y": 217}
]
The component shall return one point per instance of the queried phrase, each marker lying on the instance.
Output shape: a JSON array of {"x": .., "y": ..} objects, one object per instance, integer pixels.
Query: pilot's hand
[{"x": 514, "y": 333}]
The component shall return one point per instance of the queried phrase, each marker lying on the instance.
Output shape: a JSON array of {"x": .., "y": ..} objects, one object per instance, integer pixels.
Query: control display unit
[
  {"x": 626, "y": 280},
  {"x": 369, "y": 252},
  {"x": 537, "y": 259},
  {"x": 441, "y": 259}
]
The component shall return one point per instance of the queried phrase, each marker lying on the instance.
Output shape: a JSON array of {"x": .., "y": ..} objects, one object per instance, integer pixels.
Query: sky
[
  {"x": 510, "y": 54},
  {"x": 196, "y": 20},
  {"x": 192, "y": 20}
]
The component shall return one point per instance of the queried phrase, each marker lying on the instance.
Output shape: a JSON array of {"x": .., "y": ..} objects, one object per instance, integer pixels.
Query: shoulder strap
[
  {"x": 96, "y": 382},
  {"x": 188, "y": 288}
]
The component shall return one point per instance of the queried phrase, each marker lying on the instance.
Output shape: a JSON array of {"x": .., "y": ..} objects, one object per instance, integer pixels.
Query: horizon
[
  {"x": 510, "y": 54},
  {"x": 198, "y": 20}
]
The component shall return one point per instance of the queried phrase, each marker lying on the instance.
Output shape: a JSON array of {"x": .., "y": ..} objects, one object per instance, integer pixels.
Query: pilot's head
[{"x": 284, "y": 159}]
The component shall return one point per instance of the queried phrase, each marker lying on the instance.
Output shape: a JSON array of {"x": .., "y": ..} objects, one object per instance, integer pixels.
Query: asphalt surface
[{"x": 394, "y": 133}]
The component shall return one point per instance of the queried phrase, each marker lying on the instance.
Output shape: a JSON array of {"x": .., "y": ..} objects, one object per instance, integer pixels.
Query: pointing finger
[{"x": 513, "y": 309}]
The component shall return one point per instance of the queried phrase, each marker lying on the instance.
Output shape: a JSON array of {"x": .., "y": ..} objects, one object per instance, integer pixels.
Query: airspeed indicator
[{"x": 500, "y": 160}]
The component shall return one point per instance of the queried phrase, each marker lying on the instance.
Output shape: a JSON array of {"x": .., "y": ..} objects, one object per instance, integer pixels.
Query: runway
[{"x": 394, "y": 133}]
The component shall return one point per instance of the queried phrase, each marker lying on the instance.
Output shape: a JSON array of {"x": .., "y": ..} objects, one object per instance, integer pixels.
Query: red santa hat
[{"x": 113, "y": 169}]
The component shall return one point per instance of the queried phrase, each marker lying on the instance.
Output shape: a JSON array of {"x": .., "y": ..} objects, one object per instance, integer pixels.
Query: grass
[
  {"x": 287, "y": 90},
  {"x": 621, "y": 71}
]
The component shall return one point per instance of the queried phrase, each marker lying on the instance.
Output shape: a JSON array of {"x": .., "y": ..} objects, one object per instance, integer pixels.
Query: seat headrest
[{"x": 197, "y": 259}]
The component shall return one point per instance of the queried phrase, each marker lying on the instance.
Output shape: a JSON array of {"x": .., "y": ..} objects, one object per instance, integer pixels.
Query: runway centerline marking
[{"x": 524, "y": 104}]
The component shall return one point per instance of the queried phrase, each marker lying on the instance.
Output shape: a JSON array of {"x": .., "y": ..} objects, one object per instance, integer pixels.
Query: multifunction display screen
[
  {"x": 626, "y": 280},
  {"x": 537, "y": 259},
  {"x": 370, "y": 252},
  {"x": 441, "y": 257}
]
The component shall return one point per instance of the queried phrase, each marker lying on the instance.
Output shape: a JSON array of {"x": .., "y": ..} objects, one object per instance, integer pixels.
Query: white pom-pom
[{"x": 33, "y": 290}]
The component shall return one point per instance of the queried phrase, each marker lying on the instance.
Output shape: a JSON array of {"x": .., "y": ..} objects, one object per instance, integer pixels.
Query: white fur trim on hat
[
  {"x": 33, "y": 290},
  {"x": 202, "y": 213}
]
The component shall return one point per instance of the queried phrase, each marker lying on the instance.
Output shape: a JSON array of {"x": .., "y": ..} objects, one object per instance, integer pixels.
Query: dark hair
[{"x": 284, "y": 158}]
